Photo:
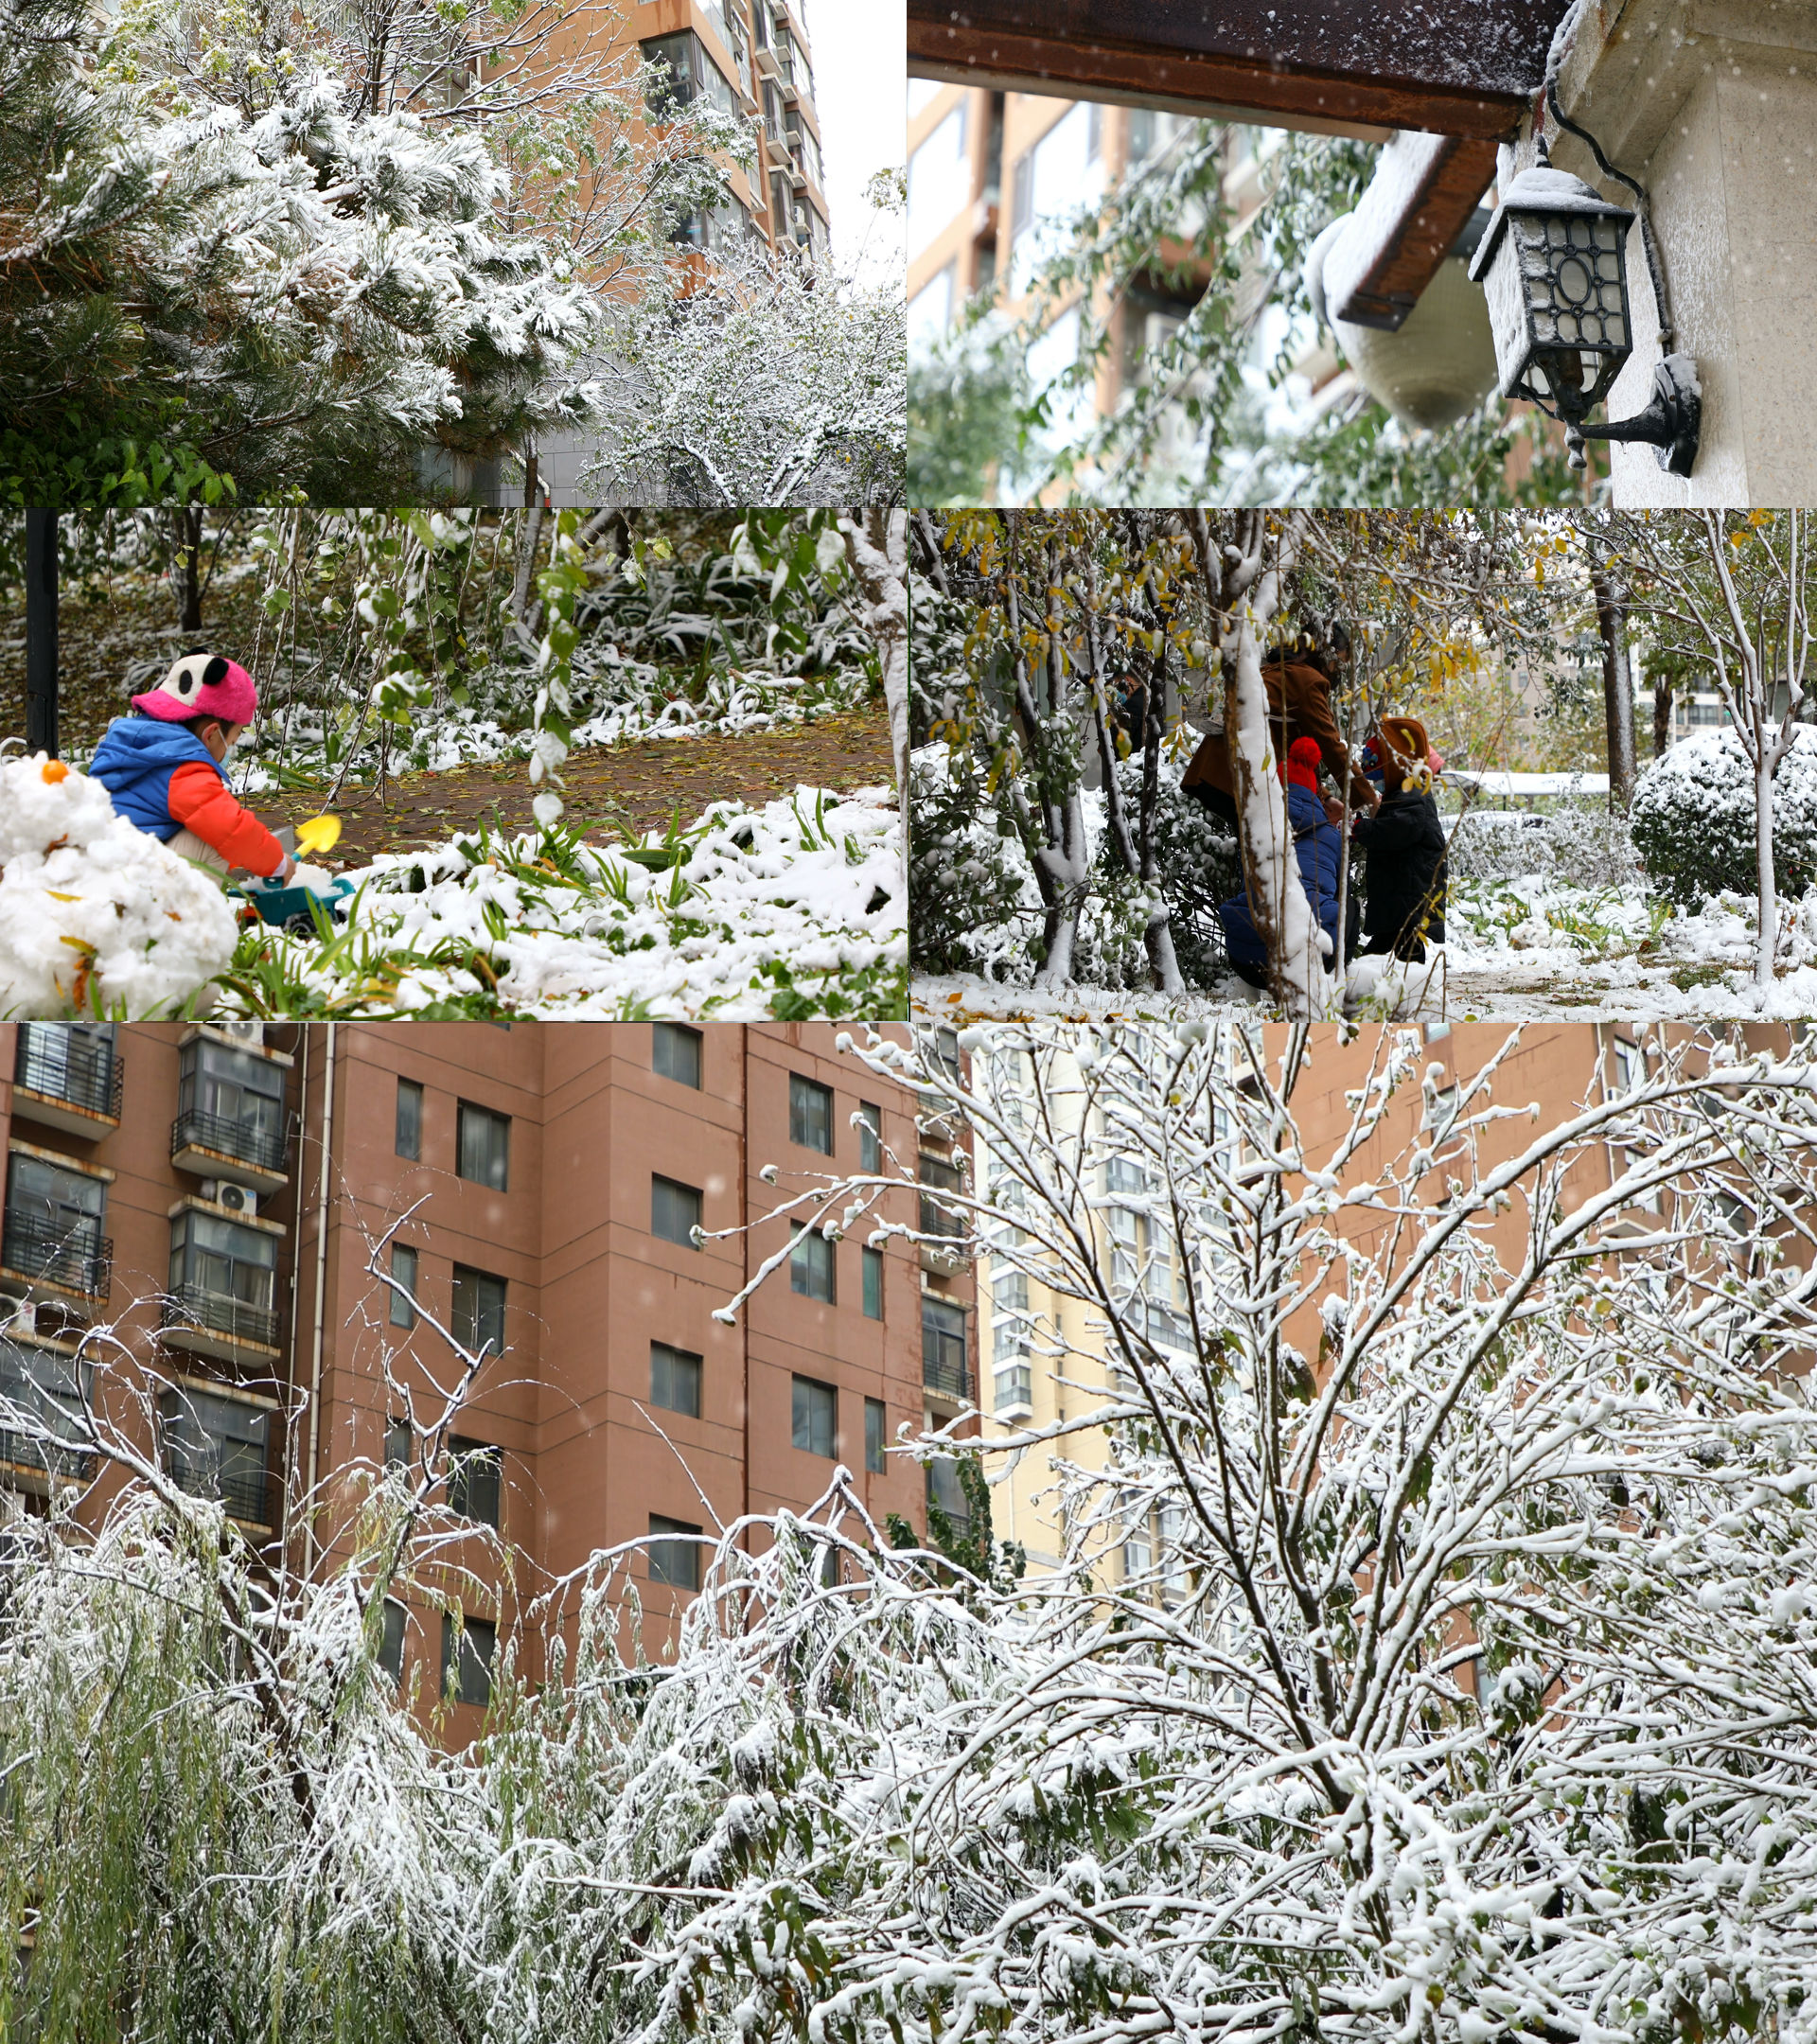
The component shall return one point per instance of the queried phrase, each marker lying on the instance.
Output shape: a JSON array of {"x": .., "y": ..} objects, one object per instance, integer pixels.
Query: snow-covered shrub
[
  {"x": 1583, "y": 842},
  {"x": 96, "y": 917},
  {"x": 976, "y": 909},
  {"x": 1196, "y": 854},
  {"x": 1694, "y": 819}
]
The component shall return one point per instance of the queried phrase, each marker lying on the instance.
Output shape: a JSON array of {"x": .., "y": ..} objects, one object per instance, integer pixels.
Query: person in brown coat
[{"x": 1298, "y": 683}]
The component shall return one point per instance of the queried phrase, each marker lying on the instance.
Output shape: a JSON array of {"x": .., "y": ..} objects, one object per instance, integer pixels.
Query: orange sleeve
[{"x": 200, "y": 800}]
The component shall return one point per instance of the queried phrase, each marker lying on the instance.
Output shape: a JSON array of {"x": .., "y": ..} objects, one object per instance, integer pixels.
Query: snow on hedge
[
  {"x": 1694, "y": 818},
  {"x": 788, "y": 912},
  {"x": 96, "y": 917}
]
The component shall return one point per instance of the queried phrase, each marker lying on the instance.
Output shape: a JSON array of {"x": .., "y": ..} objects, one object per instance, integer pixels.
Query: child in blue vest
[
  {"x": 1319, "y": 852},
  {"x": 164, "y": 769}
]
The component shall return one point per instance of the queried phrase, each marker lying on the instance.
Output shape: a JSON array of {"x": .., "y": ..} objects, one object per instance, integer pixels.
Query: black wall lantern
[{"x": 1554, "y": 267}]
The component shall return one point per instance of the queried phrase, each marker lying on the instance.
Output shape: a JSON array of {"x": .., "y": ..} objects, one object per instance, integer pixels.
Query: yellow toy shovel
[{"x": 319, "y": 833}]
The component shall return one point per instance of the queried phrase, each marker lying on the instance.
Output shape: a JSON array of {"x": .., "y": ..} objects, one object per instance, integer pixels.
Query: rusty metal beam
[{"x": 1463, "y": 70}]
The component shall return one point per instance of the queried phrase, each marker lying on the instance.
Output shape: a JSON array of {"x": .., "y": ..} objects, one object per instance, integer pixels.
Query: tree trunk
[
  {"x": 1662, "y": 714},
  {"x": 186, "y": 571},
  {"x": 1769, "y": 931},
  {"x": 1067, "y": 858},
  {"x": 878, "y": 548},
  {"x": 1618, "y": 689}
]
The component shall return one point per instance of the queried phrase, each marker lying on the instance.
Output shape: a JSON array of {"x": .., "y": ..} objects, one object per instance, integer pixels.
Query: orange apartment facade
[{"x": 217, "y": 1195}]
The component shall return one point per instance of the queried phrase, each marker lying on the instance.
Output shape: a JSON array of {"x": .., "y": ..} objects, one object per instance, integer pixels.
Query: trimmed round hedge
[{"x": 1693, "y": 819}]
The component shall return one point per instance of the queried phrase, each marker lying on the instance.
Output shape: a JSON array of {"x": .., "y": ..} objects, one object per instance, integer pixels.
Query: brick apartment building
[{"x": 216, "y": 1193}]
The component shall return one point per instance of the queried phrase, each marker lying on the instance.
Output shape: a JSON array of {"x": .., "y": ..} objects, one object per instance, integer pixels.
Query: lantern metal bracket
[{"x": 1672, "y": 425}]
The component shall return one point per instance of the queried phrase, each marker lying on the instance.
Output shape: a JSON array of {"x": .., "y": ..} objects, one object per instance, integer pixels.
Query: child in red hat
[{"x": 164, "y": 769}]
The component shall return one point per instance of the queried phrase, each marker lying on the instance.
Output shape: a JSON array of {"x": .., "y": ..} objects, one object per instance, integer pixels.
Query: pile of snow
[
  {"x": 787, "y": 912},
  {"x": 316, "y": 878},
  {"x": 96, "y": 917}
]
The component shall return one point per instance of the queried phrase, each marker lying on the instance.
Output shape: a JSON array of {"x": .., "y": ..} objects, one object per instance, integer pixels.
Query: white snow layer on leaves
[
  {"x": 797, "y": 901},
  {"x": 94, "y": 914}
]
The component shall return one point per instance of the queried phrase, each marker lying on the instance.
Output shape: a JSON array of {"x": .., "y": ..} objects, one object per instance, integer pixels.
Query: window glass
[
  {"x": 810, "y": 1114},
  {"x": 870, "y": 1136},
  {"x": 875, "y": 1423},
  {"x": 48, "y": 1386},
  {"x": 939, "y": 180},
  {"x": 815, "y": 1416},
  {"x": 810, "y": 1265},
  {"x": 477, "y": 1318},
  {"x": 390, "y": 1645},
  {"x": 675, "y": 1052},
  {"x": 231, "y": 1100},
  {"x": 675, "y": 1552},
  {"x": 942, "y": 1347},
  {"x": 225, "y": 1275},
  {"x": 404, "y": 1264},
  {"x": 872, "y": 1259},
  {"x": 675, "y": 1380},
  {"x": 409, "y": 1141},
  {"x": 675, "y": 1211},
  {"x": 68, "y": 1061},
  {"x": 484, "y": 1147},
  {"x": 470, "y": 1680},
  {"x": 400, "y": 1444},
  {"x": 53, "y": 1224},
  {"x": 475, "y": 1470},
  {"x": 216, "y": 1447}
]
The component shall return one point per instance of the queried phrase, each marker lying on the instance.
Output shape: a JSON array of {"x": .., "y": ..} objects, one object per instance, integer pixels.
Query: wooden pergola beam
[{"x": 1365, "y": 67}]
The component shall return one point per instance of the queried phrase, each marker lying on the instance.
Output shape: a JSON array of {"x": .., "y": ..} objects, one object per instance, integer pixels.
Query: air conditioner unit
[
  {"x": 237, "y": 1199},
  {"x": 248, "y": 1032}
]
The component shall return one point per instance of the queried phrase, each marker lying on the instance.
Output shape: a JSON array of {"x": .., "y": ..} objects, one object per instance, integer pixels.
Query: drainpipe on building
[{"x": 321, "y": 1288}]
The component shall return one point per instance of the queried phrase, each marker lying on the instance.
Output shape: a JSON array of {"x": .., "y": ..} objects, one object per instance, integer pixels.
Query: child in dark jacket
[
  {"x": 1319, "y": 852},
  {"x": 1405, "y": 842},
  {"x": 164, "y": 769}
]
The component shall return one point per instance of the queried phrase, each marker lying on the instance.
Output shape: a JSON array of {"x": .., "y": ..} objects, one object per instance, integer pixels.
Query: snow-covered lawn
[
  {"x": 1517, "y": 950},
  {"x": 788, "y": 912}
]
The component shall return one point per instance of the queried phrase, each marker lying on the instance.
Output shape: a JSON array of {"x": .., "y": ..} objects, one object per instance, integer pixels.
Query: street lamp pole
[{"x": 41, "y": 632}]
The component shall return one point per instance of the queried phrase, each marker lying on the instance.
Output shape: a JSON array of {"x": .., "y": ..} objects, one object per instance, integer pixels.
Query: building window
[
  {"x": 1015, "y": 1386},
  {"x": 874, "y": 1436},
  {"x": 486, "y": 1147},
  {"x": 53, "y": 1225},
  {"x": 675, "y": 1380},
  {"x": 400, "y": 1444},
  {"x": 70, "y": 1061},
  {"x": 815, "y": 1417},
  {"x": 674, "y": 1053},
  {"x": 408, "y": 1139},
  {"x": 475, "y": 1476},
  {"x": 870, "y": 1136},
  {"x": 947, "y": 1494},
  {"x": 810, "y": 1114},
  {"x": 391, "y": 1642},
  {"x": 404, "y": 1264},
  {"x": 674, "y": 1552},
  {"x": 215, "y": 1447},
  {"x": 810, "y": 1265},
  {"x": 872, "y": 1259},
  {"x": 943, "y": 1348},
  {"x": 469, "y": 1678},
  {"x": 479, "y": 1310},
  {"x": 231, "y": 1101},
  {"x": 940, "y": 179},
  {"x": 675, "y": 1211},
  {"x": 47, "y": 1388},
  {"x": 223, "y": 1276},
  {"x": 945, "y": 1223},
  {"x": 686, "y": 73}
]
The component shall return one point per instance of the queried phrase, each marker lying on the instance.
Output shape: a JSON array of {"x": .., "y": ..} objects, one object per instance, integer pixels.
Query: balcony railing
[
  {"x": 943, "y": 1366},
  {"x": 267, "y": 1148},
  {"x": 78, "y": 1070},
  {"x": 32, "y": 1452},
  {"x": 942, "y": 1221},
  {"x": 243, "y": 1491},
  {"x": 191, "y": 1305},
  {"x": 54, "y": 1253}
]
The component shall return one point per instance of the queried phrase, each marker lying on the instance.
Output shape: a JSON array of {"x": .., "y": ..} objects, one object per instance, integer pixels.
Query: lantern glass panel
[{"x": 1558, "y": 299}]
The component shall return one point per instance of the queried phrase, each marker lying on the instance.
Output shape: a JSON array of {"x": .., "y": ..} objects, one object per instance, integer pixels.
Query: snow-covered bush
[
  {"x": 1694, "y": 819},
  {"x": 974, "y": 905},
  {"x": 96, "y": 917},
  {"x": 1584, "y": 842},
  {"x": 1199, "y": 868}
]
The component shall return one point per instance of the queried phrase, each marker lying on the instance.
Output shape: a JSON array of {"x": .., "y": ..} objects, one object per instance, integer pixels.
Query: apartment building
[
  {"x": 226, "y": 1199},
  {"x": 1044, "y": 1361}
]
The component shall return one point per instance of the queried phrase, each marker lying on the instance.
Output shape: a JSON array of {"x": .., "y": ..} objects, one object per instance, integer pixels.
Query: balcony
[
  {"x": 214, "y": 1324},
  {"x": 220, "y": 1146},
  {"x": 42, "y": 1381},
  {"x": 798, "y": 171},
  {"x": 55, "y": 1259},
  {"x": 204, "y": 1472},
  {"x": 216, "y": 1445},
  {"x": 68, "y": 1081},
  {"x": 770, "y": 66},
  {"x": 944, "y": 1374}
]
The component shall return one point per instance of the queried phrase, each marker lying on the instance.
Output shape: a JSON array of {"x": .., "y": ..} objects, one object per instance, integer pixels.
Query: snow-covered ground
[
  {"x": 789, "y": 911},
  {"x": 1517, "y": 950}
]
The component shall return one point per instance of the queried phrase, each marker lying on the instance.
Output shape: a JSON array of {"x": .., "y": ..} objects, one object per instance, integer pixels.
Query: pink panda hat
[{"x": 203, "y": 684}]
